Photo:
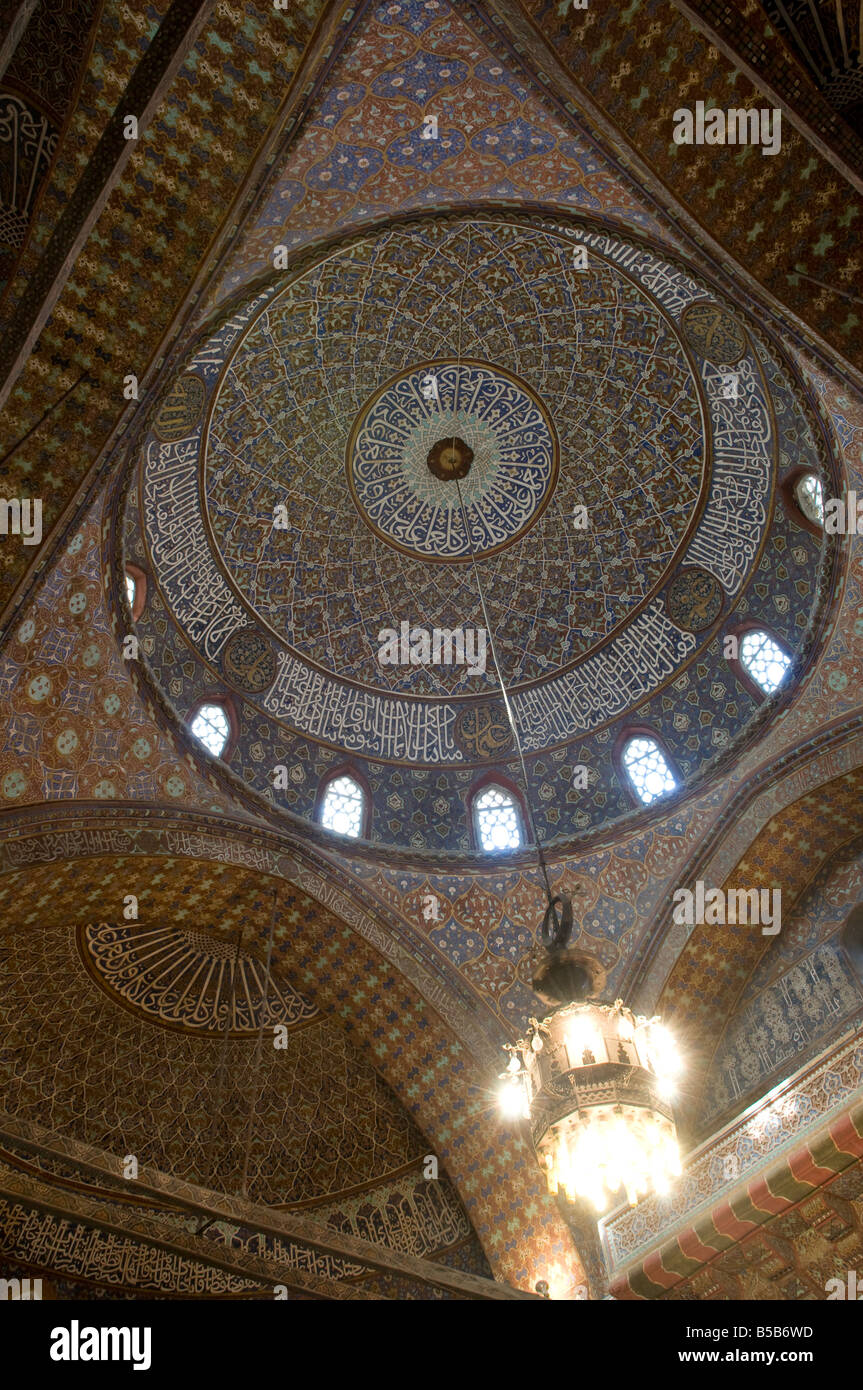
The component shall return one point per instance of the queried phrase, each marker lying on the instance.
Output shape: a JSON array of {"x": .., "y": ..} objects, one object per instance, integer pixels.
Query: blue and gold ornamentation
[
  {"x": 512, "y": 472},
  {"x": 694, "y": 599},
  {"x": 316, "y": 503},
  {"x": 713, "y": 333},
  {"x": 249, "y": 660}
]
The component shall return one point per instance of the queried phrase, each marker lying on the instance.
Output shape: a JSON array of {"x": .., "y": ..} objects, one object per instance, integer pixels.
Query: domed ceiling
[
  {"x": 138, "y": 1060},
  {"x": 297, "y": 503}
]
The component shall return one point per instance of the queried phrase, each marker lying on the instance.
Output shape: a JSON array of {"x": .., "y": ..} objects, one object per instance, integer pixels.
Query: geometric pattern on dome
[
  {"x": 511, "y": 477},
  {"x": 186, "y": 1099},
  {"x": 185, "y": 978},
  {"x": 588, "y": 622},
  {"x": 332, "y": 372}
]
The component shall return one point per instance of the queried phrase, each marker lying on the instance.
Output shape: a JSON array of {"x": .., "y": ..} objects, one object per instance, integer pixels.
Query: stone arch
[
  {"x": 800, "y": 997},
  {"x": 352, "y": 968},
  {"x": 715, "y": 963}
]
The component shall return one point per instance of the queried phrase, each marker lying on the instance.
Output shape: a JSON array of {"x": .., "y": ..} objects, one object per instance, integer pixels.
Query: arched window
[
  {"x": 211, "y": 726},
  {"x": 343, "y": 806},
  {"x": 809, "y": 496},
  {"x": 136, "y": 589},
  {"x": 647, "y": 768},
  {"x": 763, "y": 660},
  {"x": 496, "y": 819}
]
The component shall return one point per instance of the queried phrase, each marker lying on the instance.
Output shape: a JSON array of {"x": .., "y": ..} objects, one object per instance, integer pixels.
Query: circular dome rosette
[
  {"x": 447, "y": 436},
  {"x": 300, "y": 497}
]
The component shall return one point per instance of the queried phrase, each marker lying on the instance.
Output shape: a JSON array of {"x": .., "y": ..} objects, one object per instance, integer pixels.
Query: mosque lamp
[{"x": 595, "y": 1081}]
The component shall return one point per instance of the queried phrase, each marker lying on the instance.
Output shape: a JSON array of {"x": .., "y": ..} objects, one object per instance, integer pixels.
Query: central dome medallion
[
  {"x": 450, "y": 459},
  {"x": 445, "y": 421}
]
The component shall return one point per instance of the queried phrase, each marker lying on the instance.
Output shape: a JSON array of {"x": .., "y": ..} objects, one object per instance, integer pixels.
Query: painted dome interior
[
  {"x": 405, "y": 349},
  {"x": 619, "y": 509}
]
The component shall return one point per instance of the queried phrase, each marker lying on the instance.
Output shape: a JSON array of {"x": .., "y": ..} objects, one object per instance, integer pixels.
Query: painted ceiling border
[
  {"x": 767, "y": 1131},
  {"x": 528, "y": 40}
]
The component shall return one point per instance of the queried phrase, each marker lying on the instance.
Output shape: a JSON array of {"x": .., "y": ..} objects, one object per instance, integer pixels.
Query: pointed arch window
[
  {"x": 809, "y": 496},
  {"x": 803, "y": 496},
  {"x": 343, "y": 806},
  {"x": 647, "y": 768},
  {"x": 496, "y": 819},
  {"x": 763, "y": 659},
  {"x": 211, "y": 726},
  {"x": 135, "y": 584}
]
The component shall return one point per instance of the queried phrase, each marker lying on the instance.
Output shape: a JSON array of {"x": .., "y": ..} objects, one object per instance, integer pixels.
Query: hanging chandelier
[{"x": 594, "y": 1080}]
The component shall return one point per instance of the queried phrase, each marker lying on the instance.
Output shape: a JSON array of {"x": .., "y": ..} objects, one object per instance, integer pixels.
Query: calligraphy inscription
[
  {"x": 413, "y": 513},
  {"x": 513, "y": 470},
  {"x": 187, "y": 572},
  {"x": 649, "y": 651},
  {"x": 362, "y": 720},
  {"x": 67, "y": 844}
]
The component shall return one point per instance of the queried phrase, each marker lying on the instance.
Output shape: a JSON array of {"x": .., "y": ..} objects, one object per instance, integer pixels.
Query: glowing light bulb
[{"x": 513, "y": 1100}]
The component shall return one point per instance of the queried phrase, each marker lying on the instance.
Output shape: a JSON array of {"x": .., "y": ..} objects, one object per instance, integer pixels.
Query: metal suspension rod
[{"x": 510, "y": 713}]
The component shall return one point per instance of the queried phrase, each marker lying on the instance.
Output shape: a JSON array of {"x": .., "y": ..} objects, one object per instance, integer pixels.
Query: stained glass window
[
  {"x": 497, "y": 821},
  {"x": 342, "y": 810},
  {"x": 210, "y": 725},
  {"x": 764, "y": 660},
  {"x": 647, "y": 769},
  {"x": 131, "y": 588},
  {"x": 810, "y": 498}
]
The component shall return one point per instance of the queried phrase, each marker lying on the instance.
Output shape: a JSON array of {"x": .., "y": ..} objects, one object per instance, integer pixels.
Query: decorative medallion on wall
[
  {"x": 188, "y": 979},
  {"x": 248, "y": 660},
  {"x": 483, "y": 731},
  {"x": 713, "y": 334},
  {"x": 181, "y": 410},
  {"x": 694, "y": 599},
  {"x": 443, "y": 421}
]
